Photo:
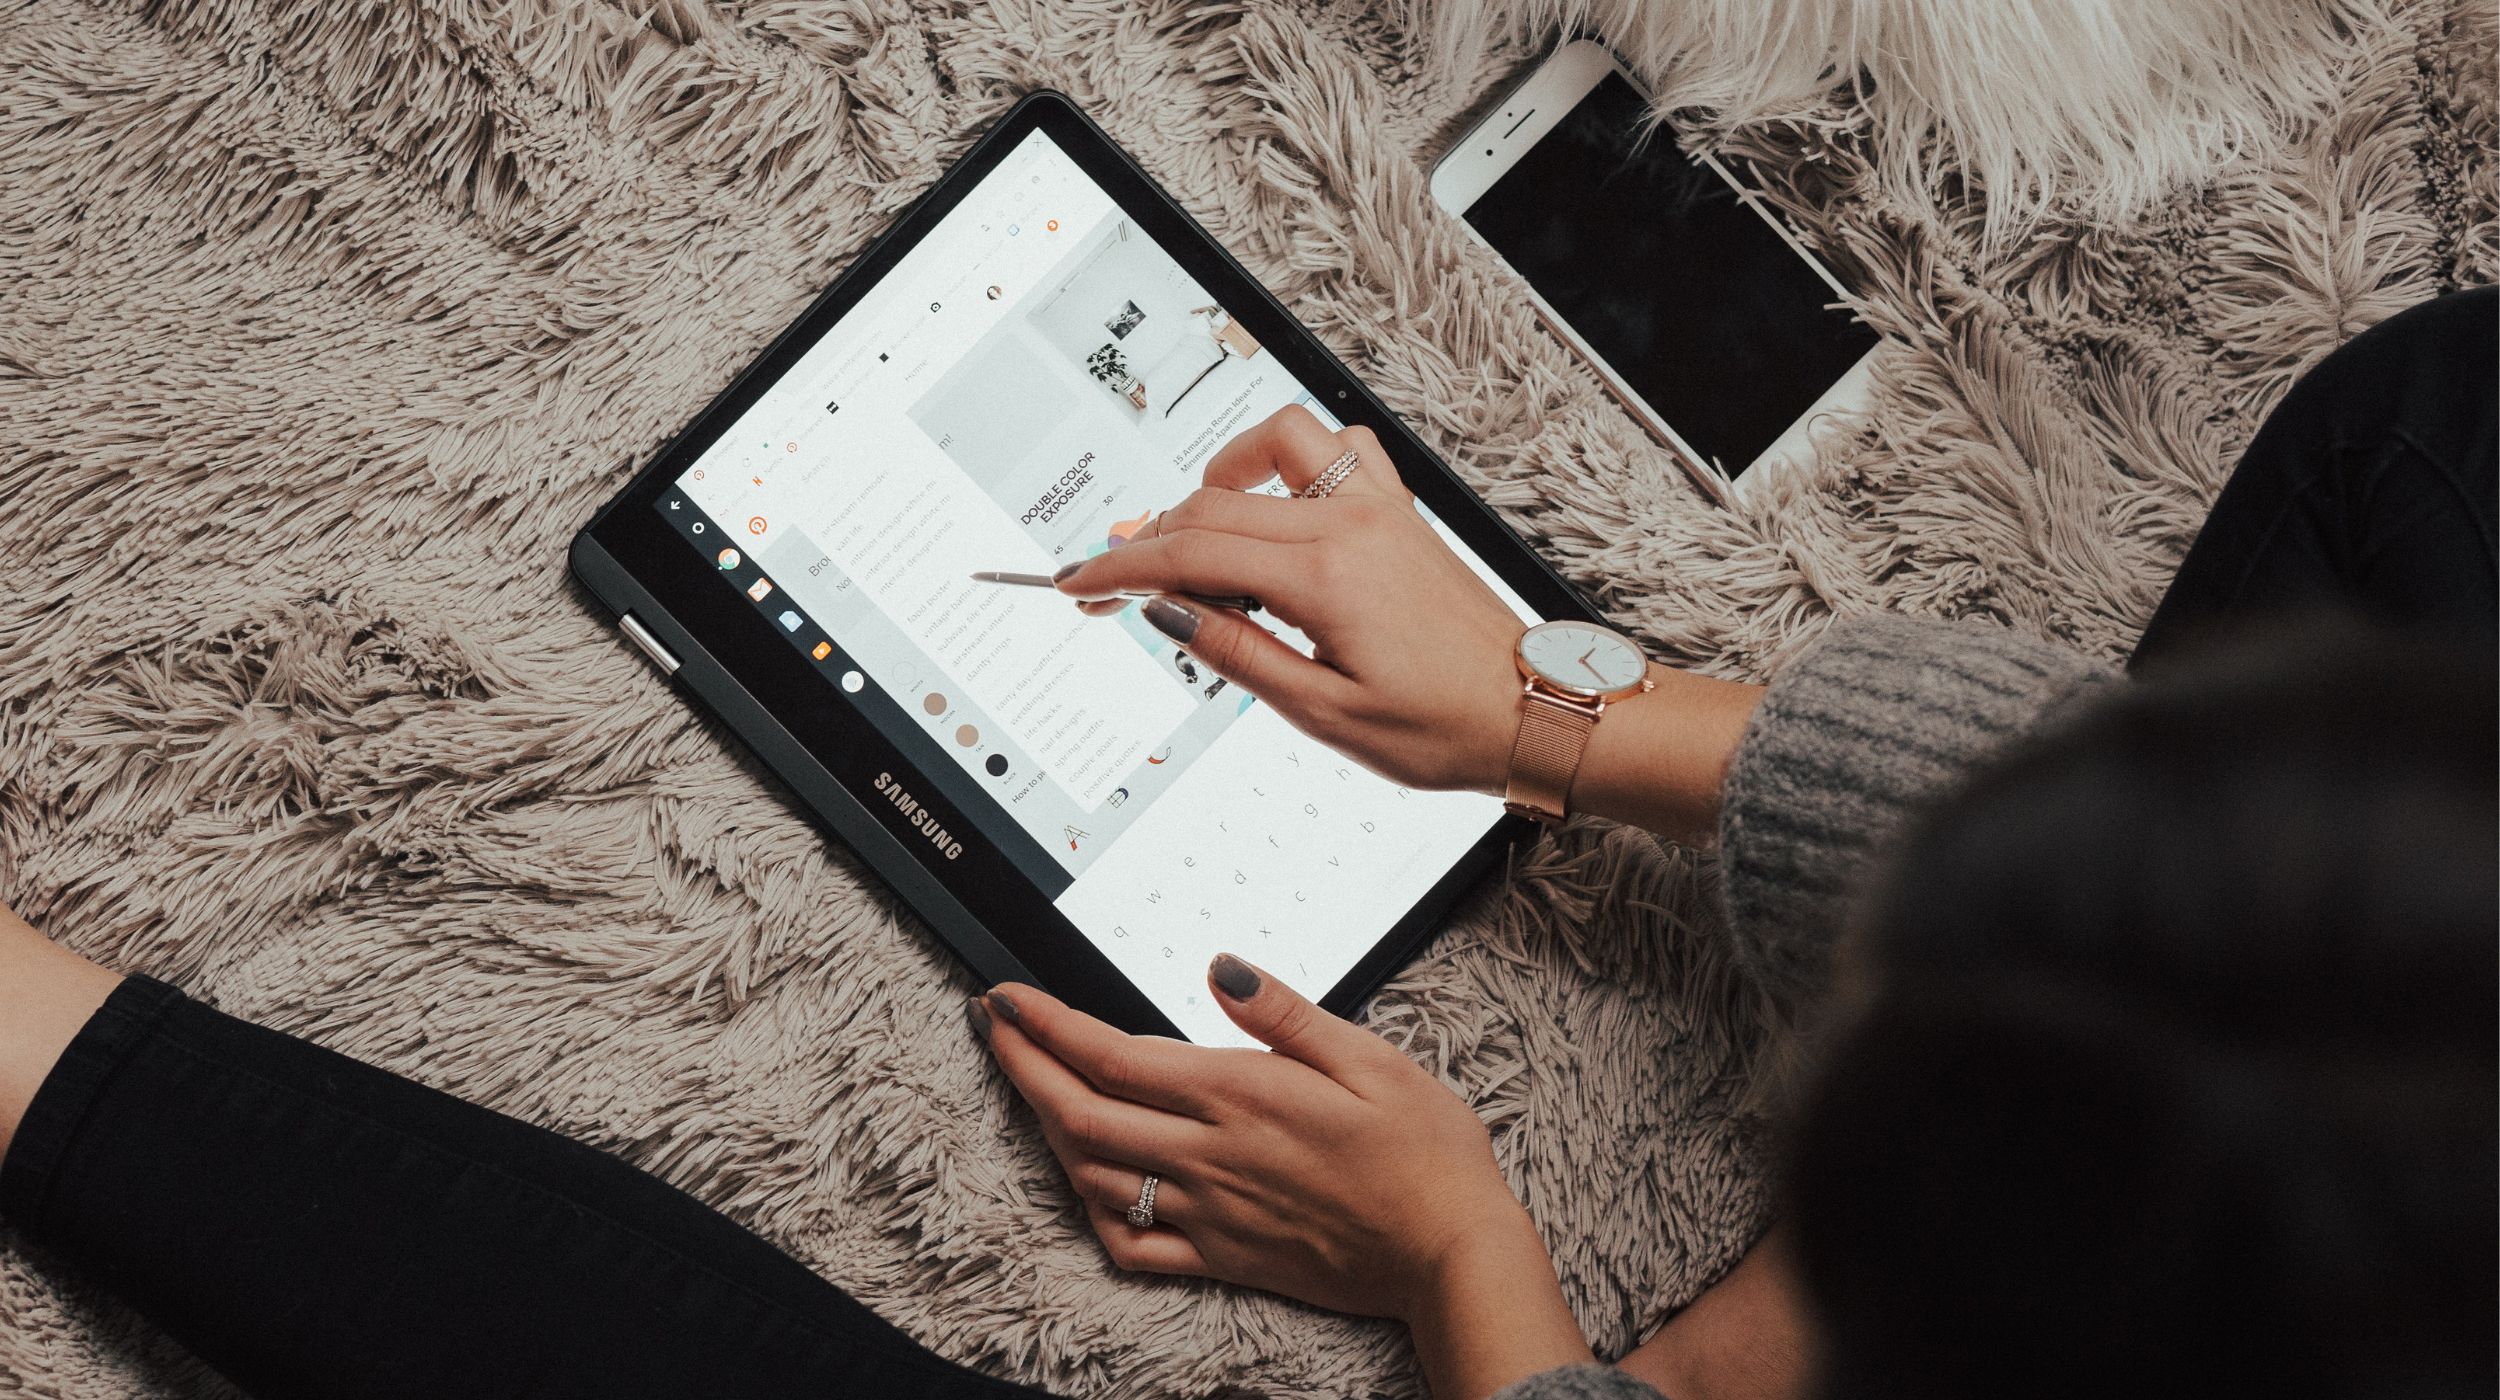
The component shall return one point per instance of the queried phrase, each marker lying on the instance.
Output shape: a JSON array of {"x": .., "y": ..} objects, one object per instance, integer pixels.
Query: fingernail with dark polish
[
  {"x": 1174, "y": 620},
  {"x": 979, "y": 1016},
  {"x": 1067, "y": 569},
  {"x": 1233, "y": 977},
  {"x": 1005, "y": 1005}
]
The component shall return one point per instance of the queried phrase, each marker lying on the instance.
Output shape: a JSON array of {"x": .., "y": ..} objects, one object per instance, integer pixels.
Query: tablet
[{"x": 1042, "y": 353}]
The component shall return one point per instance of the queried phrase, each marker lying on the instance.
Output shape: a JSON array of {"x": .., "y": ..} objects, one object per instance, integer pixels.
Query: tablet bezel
[{"x": 730, "y": 659}]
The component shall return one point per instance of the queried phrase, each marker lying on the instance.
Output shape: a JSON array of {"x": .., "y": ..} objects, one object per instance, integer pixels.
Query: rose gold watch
[{"x": 1573, "y": 671}]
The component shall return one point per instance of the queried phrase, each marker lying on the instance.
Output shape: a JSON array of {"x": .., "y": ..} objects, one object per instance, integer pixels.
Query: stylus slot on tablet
[{"x": 649, "y": 645}]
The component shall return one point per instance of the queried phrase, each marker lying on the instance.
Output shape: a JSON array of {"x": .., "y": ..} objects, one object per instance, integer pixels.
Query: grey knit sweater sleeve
[
  {"x": 1579, "y": 1383},
  {"x": 1878, "y": 716}
]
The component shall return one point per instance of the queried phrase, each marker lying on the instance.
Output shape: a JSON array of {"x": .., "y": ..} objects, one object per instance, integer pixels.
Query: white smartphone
[{"x": 1699, "y": 310}]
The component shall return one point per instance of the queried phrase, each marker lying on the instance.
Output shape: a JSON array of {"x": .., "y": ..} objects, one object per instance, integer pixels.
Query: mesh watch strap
[{"x": 1545, "y": 758}]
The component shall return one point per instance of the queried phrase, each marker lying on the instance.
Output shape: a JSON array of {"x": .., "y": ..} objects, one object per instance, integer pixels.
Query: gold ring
[{"x": 1328, "y": 481}]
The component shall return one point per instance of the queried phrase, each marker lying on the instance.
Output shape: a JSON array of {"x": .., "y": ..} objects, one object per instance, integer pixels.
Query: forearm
[
  {"x": 47, "y": 993},
  {"x": 1660, "y": 760},
  {"x": 1495, "y": 1317}
]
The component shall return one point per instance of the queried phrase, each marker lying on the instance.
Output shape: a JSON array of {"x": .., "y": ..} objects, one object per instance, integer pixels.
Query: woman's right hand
[{"x": 1411, "y": 669}]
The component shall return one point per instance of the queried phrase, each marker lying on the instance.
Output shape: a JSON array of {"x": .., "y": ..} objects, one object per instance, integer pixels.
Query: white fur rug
[{"x": 322, "y": 327}]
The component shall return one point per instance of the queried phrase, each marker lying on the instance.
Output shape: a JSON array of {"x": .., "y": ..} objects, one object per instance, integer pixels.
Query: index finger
[{"x": 1172, "y": 1075}]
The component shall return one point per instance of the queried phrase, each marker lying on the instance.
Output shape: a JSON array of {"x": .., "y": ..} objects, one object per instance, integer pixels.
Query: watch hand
[{"x": 1585, "y": 666}]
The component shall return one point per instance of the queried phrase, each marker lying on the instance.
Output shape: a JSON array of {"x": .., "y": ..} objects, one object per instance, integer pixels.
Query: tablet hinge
[{"x": 641, "y": 637}]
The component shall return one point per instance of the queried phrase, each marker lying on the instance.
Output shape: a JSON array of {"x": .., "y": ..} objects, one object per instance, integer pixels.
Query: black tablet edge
[
  {"x": 838, "y": 813},
  {"x": 619, "y": 591}
]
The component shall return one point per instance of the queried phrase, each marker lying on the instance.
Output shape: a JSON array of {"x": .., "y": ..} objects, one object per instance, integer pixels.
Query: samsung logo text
[{"x": 922, "y": 819}]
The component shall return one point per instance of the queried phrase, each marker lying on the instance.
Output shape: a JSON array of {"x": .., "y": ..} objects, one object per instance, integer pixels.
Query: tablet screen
[{"x": 1025, "y": 388}]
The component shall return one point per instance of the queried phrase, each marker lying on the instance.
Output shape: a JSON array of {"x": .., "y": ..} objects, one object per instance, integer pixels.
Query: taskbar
[{"x": 740, "y": 570}]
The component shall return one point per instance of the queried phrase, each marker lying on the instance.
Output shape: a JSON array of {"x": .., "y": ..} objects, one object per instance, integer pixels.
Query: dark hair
[{"x": 2171, "y": 1063}]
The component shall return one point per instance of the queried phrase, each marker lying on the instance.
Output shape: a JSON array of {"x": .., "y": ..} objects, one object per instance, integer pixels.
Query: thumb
[
  {"x": 1285, "y": 1021},
  {"x": 1246, "y": 654}
]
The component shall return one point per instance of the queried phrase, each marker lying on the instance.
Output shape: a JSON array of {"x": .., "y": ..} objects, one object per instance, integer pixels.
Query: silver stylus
[{"x": 1043, "y": 581}]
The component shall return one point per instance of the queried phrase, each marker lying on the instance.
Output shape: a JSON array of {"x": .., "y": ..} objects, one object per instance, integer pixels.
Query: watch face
[{"x": 1585, "y": 660}]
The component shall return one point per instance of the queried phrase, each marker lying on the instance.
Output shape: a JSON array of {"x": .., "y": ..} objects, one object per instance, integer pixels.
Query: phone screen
[{"x": 1688, "y": 293}]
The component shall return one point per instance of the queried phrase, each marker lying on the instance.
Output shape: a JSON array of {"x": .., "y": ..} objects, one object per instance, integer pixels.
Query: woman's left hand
[{"x": 1335, "y": 1170}]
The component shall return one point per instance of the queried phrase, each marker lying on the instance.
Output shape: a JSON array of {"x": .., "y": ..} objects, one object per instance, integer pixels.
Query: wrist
[
  {"x": 1656, "y": 757},
  {"x": 1495, "y": 731},
  {"x": 1485, "y": 1244},
  {"x": 1660, "y": 760},
  {"x": 1744, "y": 1338},
  {"x": 1492, "y": 1312}
]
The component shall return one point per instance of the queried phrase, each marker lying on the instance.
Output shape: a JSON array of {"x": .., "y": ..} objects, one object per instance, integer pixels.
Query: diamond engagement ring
[
  {"x": 1330, "y": 479},
  {"x": 1142, "y": 1214}
]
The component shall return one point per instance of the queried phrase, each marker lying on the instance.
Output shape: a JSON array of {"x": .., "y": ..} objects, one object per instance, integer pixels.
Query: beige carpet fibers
[{"x": 323, "y": 325}]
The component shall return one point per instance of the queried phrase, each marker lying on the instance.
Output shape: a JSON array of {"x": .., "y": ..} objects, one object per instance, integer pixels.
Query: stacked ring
[
  {"x": 1329, "y": 480},
  {"x": 1142, "y": 1214}
]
